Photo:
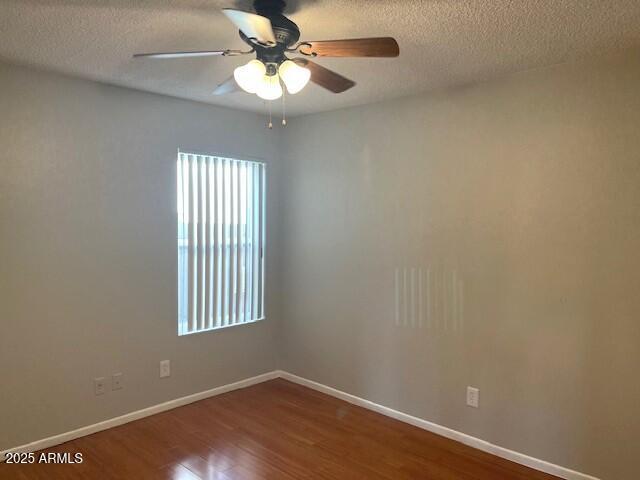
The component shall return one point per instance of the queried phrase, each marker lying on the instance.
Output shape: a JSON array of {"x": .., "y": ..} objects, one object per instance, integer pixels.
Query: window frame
[{"x": 262, "y": 247}]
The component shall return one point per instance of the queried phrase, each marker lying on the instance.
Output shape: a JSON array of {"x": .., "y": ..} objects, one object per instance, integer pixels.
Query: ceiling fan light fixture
[
  {"x": 250, "y": 76},
  {"x": 269, "y": 88},
  {"x": 294, "y": 76}
]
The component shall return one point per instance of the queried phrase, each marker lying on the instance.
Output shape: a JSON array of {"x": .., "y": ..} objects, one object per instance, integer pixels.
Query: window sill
[{"x": 223, "y": 327}]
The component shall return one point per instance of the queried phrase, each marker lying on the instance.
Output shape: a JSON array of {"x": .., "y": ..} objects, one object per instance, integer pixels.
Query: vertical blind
[{"x": 221, "y": 237}]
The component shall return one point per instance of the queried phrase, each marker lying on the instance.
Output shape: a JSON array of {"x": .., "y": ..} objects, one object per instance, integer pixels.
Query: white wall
[
  {"x": 524, "y": 193},
  {"x": 88, "y": 251}
]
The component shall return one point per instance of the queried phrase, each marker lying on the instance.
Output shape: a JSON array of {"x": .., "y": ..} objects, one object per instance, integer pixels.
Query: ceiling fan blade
[
  {"x": 326, "y": 78},
  {"x": 355, "y": 47},
  {"x": 252, "y": 25},
  {"x": 228, "y": 86},
  {"x": 204, "y": 53}
]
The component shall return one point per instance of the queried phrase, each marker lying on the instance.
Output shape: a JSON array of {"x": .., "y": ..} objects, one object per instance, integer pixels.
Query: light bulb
[
  {"x": 294, "y": 76},
  {"x": 269, "y": 88},
  {"x": 250, "y": 75}
]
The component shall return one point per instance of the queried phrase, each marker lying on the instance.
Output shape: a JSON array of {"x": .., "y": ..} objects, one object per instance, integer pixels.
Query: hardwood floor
[{"x": 275, "y": 430}]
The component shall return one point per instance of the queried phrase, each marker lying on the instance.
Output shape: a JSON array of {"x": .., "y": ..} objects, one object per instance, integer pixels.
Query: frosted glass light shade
[
  {"x": 269, "y": 88},
  {"x": 249, "y": 76},
  {"x": 294, "y": 76}
]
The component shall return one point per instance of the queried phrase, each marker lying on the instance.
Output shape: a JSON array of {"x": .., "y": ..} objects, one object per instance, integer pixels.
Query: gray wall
[
  {"x": 518, "y": 201},
  {"x": 88, "y": 251}
]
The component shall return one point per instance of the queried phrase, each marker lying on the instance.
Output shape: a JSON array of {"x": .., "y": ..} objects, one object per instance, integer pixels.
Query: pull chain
[
  {"x": 264, "y": 105},
  {"x": 270, "y": 118},
  {"x": 284, "y": 108}
]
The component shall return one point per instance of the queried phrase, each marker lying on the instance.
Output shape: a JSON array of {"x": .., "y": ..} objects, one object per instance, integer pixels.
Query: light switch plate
[
  {"x": 165, "y": 368},
  {"x": 473, "y": 397}
]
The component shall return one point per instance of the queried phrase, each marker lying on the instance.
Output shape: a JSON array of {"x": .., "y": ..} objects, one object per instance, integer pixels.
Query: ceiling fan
[{"x": 272, "y": 37}]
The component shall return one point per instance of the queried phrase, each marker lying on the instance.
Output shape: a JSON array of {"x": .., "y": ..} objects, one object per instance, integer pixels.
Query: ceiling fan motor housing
[
  {"x": 267, "y": 7},
  {"x": 286, "y": 32}
]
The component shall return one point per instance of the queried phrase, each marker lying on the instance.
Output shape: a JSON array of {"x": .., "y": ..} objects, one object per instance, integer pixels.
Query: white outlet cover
[
  {"x": 99, "y": 385},
  {"x": 473, "y": 397},
  {"x": 117, "y": 381},
  {"x": 165, "y": 368}
]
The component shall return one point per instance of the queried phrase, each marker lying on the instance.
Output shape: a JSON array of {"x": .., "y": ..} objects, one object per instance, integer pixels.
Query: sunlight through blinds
[{"x": 221, "y": 236}]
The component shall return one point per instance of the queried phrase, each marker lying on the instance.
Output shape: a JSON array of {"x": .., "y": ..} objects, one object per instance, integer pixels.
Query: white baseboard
[
  {"x": 145, "y": 412},
  {"x": 477, "y": 443}
]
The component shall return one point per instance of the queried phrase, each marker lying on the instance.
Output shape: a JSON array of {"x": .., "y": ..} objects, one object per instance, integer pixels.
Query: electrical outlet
[
  {"x": 165, "y": 368},
  {"x": 473, "y": 397},
  {"x": 99, "y": 385},
  {"x": 117, "y": 381}
]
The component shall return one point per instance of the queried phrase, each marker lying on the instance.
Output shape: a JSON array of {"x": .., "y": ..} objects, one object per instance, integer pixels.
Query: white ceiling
[{"x": 442, "y": 42}]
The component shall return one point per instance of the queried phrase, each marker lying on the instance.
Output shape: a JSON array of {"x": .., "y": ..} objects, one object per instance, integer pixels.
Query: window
[{"x": 221, "y": 237}]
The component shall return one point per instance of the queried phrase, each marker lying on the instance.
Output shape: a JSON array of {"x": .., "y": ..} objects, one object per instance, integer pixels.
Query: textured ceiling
[{"x": 442, "y": 42}]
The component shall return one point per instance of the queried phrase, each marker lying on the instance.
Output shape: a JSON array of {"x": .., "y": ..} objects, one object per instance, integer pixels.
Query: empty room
[{"x": 320, "y": 239}]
